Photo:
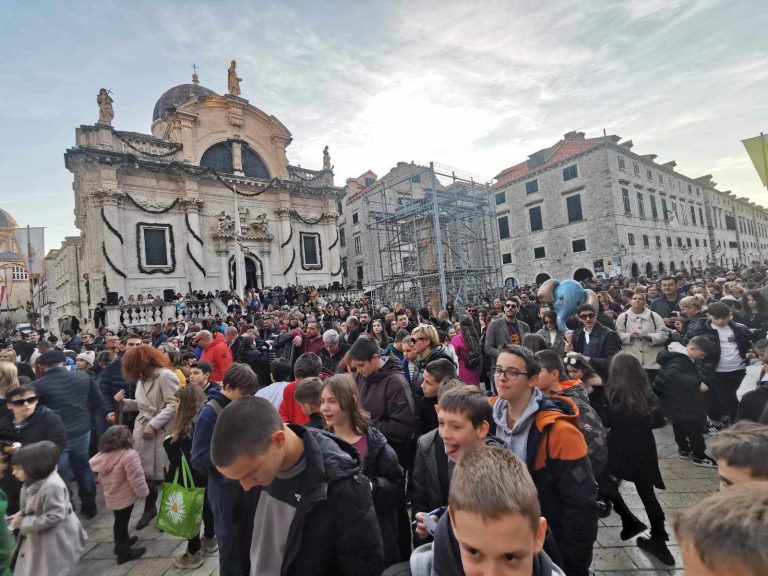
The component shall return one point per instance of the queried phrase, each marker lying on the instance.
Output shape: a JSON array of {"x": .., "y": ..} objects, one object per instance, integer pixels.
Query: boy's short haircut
[
  {"x": 728, "y": 528},
  {"x": 280, "y": 369},
  {"x": 308, "y": 391},
  {"x": 307, "y": 365},
  {"x": 401, "y": 335},
  {"x": 408, "y": 340},
  {"x": 469, "y": 401},
  {"x": 532, "y": 365},
  {"x": 204, "y": 367},
  {"x": 719, "y": 310},
  {"x": 441, "y": 369},
  {"x": 187, "y": 355},
  {"x": 585, "y": 308},
  {"x": 364, "y": 349},
  {"x": 243, "y": 427},
  {"x": 492, "y": 482},
  {"x": 745, "y": 444},
  {"x": 240, "y": 377},
  {"x": 551, "y": 361},
  {"x": 703, "y": 343},
  {"x": 449, "y": 384},
  {"x": 761, "y": 344}
]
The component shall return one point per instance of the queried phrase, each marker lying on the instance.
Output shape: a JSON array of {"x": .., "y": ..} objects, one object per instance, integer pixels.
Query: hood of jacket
[
  {"x": 574, "y": 389},
  {"x": 501, "y": 407},
  {"x": 391, "y": 367},
  {"x": 105, "y": 462},
  {"x": 329, "y": 458},
  {"x": 676, "y": 349}
]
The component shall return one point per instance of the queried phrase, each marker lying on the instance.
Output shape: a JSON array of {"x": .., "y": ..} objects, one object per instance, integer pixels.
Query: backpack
[{"x": 474, "y": 358}]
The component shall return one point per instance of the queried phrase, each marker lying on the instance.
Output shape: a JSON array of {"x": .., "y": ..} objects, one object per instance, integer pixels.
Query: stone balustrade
[{"x": 142, "y": 316}]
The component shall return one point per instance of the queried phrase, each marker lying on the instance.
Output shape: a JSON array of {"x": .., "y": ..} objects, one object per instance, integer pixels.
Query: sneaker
[
  {"x": 208, "y": 545},
  {"x": 705, "y": 462},
  {"x": 713, "y": 427},
  {"x": 632, "y": 529},
  {"x": 684, "y": 454},
  {"x": 656, "y": 548},
  {"x": 188, "y": 560}
]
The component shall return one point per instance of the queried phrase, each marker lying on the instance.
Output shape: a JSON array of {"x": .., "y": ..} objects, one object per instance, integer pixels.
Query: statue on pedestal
[
  {"x": 233, "y": 82},
  {"x": 106, "y": 113},
  {"x": 326, "y": 159}
]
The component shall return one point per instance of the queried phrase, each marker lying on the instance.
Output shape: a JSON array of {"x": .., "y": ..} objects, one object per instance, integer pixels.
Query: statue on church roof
[
  {"x": 326, "y": 159},
  {"x": 106, "y": 113},
  {"x": 233, "y": 82}
]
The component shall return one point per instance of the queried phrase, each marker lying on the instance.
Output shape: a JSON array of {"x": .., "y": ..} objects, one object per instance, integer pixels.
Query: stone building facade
[
  {"x": 592, "y": 206},
  {"x": 14, "y": 275},
  {"x": 157, "y": 211},
  {"x": 63, "y": 293}
]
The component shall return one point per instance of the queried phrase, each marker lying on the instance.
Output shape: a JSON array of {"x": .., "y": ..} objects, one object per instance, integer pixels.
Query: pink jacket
[{"x": 121, "y": 477}]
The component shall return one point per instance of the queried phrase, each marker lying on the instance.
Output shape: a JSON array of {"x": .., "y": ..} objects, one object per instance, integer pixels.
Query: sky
[{"x": 476, "y": 85}]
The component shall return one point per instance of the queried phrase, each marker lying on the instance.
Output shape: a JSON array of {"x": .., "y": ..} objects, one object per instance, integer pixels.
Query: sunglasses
[
  {"x": 510, "y": 305},
  {"x": 586, "y": 316},
  {"x": 24, "y": 401}
]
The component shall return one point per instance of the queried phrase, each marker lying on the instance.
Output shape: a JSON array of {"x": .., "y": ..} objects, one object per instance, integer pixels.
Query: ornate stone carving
[
  {"x": 237, "y": 156},
  {"x": 102, "y": 196},
  {"x": 326, "y": 159},
  {"x": 235, "y": 116},
  {"x": 251, "y": 228},
  {"x": 294, "y": 215},
  {"x": 188, "y": 204},
  {"x": 106, "y": 113}
]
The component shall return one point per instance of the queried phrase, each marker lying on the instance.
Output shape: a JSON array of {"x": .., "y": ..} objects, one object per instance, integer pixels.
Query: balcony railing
[{"x": 140, "y": 316}]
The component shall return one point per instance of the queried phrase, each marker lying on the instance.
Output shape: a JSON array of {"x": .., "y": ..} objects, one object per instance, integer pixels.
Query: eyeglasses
[
  {"x": 510, "y": 305},
  {"x": 24, "y": 401},
  {"x": 588, "y": 316},
  {"x": 421, "y": 339},
  {"x": 509, "y": 373}
]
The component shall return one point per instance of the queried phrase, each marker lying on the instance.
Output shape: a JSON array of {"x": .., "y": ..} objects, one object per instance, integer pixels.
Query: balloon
[{"x": 565, "y": 297}]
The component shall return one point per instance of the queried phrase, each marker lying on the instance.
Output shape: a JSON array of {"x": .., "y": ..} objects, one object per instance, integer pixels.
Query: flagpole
[{"x": 239, "y": 257}]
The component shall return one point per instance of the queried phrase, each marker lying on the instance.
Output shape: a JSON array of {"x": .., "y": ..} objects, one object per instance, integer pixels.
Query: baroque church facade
[{"x": 158, "y": 211}]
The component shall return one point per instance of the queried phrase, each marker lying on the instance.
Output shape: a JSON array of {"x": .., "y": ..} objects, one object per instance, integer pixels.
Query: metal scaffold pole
[{"x": 438, "y": 239}]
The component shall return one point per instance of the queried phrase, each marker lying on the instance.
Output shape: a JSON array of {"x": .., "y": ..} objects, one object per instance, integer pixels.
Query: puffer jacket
[
  {"x": 388, "y": 486},
  {"x": 708, "y": 366},
  {"x": 335, "y": 531},
  {"x": 678, "y": 385},
  {"x": 558, "y": 460},
  {"x": 385, "y": 394},
  {"x": 219, "y": 355},
  {"x": 121, "y": 477},
  {"x": 590, "y": 424}
]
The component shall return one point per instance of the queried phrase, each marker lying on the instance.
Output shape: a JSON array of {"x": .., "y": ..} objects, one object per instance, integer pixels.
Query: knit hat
[{"x": 88, "y": 356}]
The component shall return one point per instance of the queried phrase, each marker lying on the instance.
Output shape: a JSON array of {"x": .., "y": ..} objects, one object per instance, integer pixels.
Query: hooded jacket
[
  {"x": 121, "y": 477},
  {"x": 590, "y": 424},
  {"x": 678, "y": 385},
  {"x": 219, "y": 355},
  {"x": 557, "y": 458},
  {"x": 335, "y": 531},
  {"x": 385, "y": 394},
  {"x": 708, "y": 366}
]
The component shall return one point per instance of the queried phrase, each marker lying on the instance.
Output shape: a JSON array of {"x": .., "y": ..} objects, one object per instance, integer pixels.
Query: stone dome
[
  {"x": 177, "y": 96},
  {"x": 6, "y": 220}
]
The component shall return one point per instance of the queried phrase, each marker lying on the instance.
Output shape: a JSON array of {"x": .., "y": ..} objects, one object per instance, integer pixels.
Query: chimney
[
  {"x": 627, "y": 144},
  {"x": 573, "y": 136}
]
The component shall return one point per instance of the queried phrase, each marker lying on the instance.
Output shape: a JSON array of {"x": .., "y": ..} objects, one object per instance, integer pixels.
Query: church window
[
  {"x": 155, "y": 246},
  {"x": 219, "y": 158},
  {"x": 311, "y": 258}
]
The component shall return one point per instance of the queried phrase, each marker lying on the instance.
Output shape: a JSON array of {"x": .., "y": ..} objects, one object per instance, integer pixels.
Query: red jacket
[
  {"x": 290, "y": 411},
  {"x": 220, "y": 357}
]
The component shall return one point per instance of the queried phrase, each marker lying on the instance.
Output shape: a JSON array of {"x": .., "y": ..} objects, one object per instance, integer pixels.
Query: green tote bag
[{"x": 181, "y": 506}]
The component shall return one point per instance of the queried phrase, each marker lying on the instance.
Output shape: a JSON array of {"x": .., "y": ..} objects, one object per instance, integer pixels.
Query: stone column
[
  {"x": 286, "y": 252},
  {"x": 114, "y": 240},
  {"x": 222, "y": 253},
  {"x": 266, "y": 266},
  {"x": 195, "y": 242}
]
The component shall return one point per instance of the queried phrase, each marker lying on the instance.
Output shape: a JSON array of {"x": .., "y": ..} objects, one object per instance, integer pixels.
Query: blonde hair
[
  {"x": 8, "y": 355},
  {"x": 426, "y": 331},
  {"x": 9, "y": 377},
  {"x": 697, "y": 303}
]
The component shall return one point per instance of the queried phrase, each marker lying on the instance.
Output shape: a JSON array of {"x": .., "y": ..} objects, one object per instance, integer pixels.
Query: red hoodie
[{"x": 220, "y": 357}]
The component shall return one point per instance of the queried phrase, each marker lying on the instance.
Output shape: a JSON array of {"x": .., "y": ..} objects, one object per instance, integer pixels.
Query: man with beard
[{"x": 505, "y": 329}]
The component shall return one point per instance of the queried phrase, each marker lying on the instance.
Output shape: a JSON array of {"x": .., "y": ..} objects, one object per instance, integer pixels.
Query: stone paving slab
[{"x": 686, "y": 485}]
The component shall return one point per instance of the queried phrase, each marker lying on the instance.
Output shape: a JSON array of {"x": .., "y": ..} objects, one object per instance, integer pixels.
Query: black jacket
[
  {"x": 678, "y": 386},
  {"x": 430, "y": 479},
  {"x": 331, "y": 362},
  {"x": 388, "y": 485},
  {"x": 631, "y": 447},
  {"x": 74, "y": 395},
  {"x": 754, "y": 403},
  {"x": 603, "y": 345},
  {"x": 386, "y": 396},
  {"x": 257, "y": 358},
  {"x": 708, "y": 366},
  {"x": 111, "y": 381},
  {"x": 335, "y": 531}
]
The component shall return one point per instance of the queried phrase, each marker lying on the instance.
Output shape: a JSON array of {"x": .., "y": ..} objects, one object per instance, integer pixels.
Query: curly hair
[{"x": 143, "y": 362}]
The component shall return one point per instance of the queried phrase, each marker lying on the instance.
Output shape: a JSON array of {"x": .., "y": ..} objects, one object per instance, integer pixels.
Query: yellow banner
[{"x": 757, "y": 148}]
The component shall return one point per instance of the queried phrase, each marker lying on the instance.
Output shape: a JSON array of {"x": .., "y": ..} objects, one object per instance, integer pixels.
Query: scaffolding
[{"x": 434, "y": 238}]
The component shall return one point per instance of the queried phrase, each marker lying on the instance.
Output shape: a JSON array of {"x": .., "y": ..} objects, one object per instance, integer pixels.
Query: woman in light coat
[
  {"x": 155, "y": 386},
  {"x": 643, "y": 334}
]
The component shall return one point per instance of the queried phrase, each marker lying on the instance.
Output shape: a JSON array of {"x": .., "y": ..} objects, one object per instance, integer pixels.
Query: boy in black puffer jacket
[{"x": 684, "y": 396}]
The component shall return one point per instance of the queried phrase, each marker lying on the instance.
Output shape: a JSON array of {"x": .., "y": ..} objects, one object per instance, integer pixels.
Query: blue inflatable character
[{"x": 564, "y": 298}]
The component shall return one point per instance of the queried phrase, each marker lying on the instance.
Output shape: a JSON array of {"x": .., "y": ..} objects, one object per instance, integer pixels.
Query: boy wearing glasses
[
  {"x": 544, "y": 433},
  {"x": 598, "y": 343}
]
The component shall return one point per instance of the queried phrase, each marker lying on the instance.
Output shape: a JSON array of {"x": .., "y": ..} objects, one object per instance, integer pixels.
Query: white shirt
[{"x": 730, "y": 359}]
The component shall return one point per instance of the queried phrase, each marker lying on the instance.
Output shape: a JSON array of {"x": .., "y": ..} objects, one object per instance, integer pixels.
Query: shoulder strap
[{"x": 215, "y": 405}]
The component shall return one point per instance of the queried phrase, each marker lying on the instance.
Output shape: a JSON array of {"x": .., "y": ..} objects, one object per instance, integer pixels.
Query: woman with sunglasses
[
  {"x": 28, "y": 422},
  {"x": 551, "y": 333}
]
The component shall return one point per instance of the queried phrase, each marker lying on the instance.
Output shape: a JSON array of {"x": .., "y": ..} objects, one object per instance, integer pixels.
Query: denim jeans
[{"x": 74, "y": 461}]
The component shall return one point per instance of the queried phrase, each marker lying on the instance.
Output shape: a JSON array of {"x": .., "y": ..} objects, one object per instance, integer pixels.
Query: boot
[
  {"x": 656, "y": 547},
  {"x": 125, "y": 553},
  {"x": 631, "y": 528},
  {"x": 131, "y": 541},
  {"x": 150, "y": 509}
]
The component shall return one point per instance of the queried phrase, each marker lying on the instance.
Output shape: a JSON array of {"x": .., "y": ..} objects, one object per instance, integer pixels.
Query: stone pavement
[{"x": 686, "y": 485}]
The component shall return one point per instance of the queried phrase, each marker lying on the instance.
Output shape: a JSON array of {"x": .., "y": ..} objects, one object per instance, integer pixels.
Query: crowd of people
[{"x": 347, "y": 438}]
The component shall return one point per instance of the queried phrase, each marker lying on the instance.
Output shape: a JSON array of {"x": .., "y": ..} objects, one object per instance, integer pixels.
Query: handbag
[{"x": 181, "y": 505}]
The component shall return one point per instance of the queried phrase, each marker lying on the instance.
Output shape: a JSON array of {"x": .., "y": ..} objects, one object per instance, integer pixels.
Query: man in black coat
[
  {"x": 111, "y": 379},
  {"x": 598, "y": 343},
  {"x": 74, "y": 395},
  {"x": 310, "y": 496}
]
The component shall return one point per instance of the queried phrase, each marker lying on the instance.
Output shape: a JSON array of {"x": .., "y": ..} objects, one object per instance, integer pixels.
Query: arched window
[
  {"x": 219, "y": 158},
  {"x": 543, "y": 277},
  {"x": 582, "y": 274}
]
